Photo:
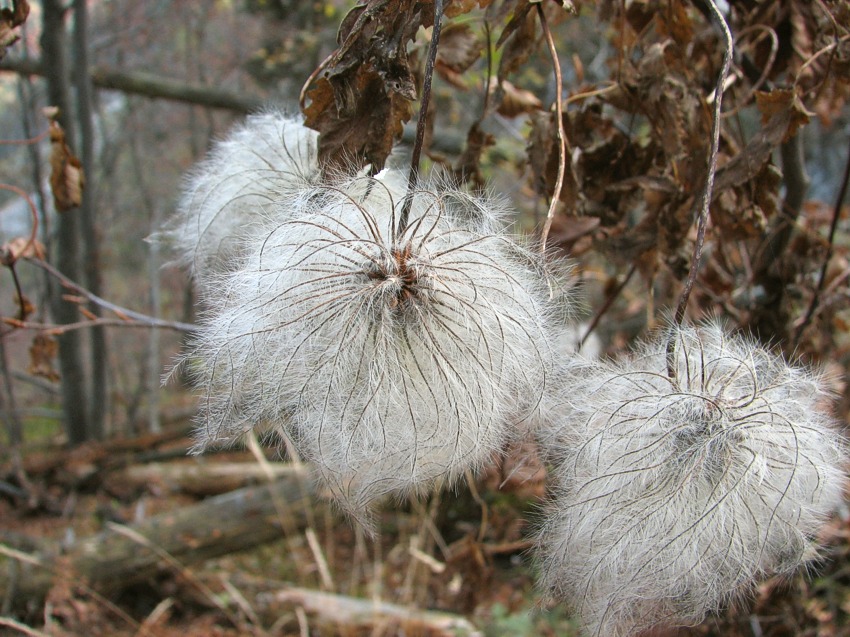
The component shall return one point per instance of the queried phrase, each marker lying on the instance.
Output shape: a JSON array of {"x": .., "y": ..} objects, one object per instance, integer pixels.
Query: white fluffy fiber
[
  {"x": 392, "y": 361},
  {"x": 225, "y": 195},
  {"x": 672, "y": 497}
]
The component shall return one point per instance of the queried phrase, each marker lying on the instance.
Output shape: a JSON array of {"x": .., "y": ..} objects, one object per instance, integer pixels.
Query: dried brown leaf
[
  {"x": 543, "y": 161},
  {"x": 10, "y": 20},
  {"x": 782, "y": 114},
  {"x": 468, "y": 166},
  {"x": 364, "y": 135},
  {"x": 43, "y": 352},
  {"x": 515, "y": 101},
  {"x": 367, "y": 83},
  {"x": 460, "y": 7},
  {"x": 782, "y": 102},
  {"x": 519, "y": 38},
  {"x": 66, "y": 177},
  {"x": 21, "y": 247},
  {"x": 459, "y": 49},
  {"x": 676, "y": 22}
]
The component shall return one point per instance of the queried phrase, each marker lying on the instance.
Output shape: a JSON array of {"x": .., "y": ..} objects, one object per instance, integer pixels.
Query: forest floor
[{"x": 456, "y": 564}]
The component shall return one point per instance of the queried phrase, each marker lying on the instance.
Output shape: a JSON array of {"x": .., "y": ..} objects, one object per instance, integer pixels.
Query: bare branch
[
  {"x": 149, "y": 85},
  {"x": 126, "y": 317}
]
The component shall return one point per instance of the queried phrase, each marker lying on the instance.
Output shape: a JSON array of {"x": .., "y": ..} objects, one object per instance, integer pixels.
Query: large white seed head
[
  {"x": 673, "y": 496},
  {"x": 226, "y": 195},
  {"x": 394, "y": 357}
]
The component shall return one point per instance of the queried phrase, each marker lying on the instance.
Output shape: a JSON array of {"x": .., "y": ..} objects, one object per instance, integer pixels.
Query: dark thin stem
[
  {"x": 559, "y": 118},
  {"x": 489, "y": 79},
  {"x": 606, "y": 306},
  {"x": 413, "y": 176},
  {"x": 836, "y": 214},
  {"x": 22, "y": 308},
  {"x": 704, "y": 198}
]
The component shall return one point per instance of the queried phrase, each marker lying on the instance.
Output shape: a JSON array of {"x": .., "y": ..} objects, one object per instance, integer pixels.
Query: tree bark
[
  {"x": 98, "y": 381},
  {"x": 64, "y": 251},
  {"x": 123, "y": 555}
]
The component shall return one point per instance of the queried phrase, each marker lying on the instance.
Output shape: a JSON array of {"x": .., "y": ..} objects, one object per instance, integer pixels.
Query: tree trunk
[
  {"x": 64, "y": 249},
  {"x": 98, "y": 382}
]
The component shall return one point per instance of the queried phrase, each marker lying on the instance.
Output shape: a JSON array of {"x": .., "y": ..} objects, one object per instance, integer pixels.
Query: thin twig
[
  {"x": 8, "y": 622},
  {"x": 559, "y": 118},
  {"x": 704, "y": 198},
  {"x": 833, "y": 226},
  {"x": 413, "y": 176},
  {"x": 128, "y": 317},
  {"x": 606, "y": 306},
  {"x": 22, "y": 308},
  {"x": 25, "y": 142}
]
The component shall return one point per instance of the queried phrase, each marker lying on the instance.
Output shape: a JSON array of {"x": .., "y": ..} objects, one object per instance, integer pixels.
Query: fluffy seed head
[
  {"x": 227, "y": 194},
  {"x": 394, "y": 357},
  {"x": 672, "y": 496}
]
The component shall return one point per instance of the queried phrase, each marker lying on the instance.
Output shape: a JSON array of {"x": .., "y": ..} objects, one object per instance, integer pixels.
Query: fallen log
[
  {"x": 122, "y": 555},
  {"x": 331, "y": 611},
  {"x": 199, "y": 477}
]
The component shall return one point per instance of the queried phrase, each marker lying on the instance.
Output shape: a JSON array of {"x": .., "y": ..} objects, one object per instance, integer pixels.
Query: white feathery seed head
[
  {"x": 394, "y": 356},
  {"x": 672, "y": 496},
  {"x": 226, "y": 195}
]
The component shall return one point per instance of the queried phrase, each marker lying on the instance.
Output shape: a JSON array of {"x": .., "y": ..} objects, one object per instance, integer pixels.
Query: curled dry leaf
[
  {"x": 21, "y": 247},
  {"x": 459, "y": 49},
  {"x": 519, "y": 38},
  {"x": 363, "y": 93},
  {"x": 460, "y": 7},
  {"x": 43, "y": 352},
  {"x": 515, "y": 101},
  {"x": 10, "y": 20},
  {"x": 783, "y": 102},
  {"x": 66, "y": 177},
  {"x": 364, "y": 135}
]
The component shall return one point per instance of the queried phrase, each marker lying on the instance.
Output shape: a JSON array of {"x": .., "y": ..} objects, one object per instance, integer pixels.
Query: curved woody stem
[
  {"x": 559, "y": 118},
  {"x": 704, "y": 198}
]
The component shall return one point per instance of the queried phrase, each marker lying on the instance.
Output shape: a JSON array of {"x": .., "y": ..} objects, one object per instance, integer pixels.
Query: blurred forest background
[{"x": 93, "y": 445}]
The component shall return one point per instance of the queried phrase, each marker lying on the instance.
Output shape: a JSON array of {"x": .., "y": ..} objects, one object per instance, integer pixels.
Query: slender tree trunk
[
  {"x": 98, "y": 387},
  {"x": 64, "y": 253},
  {"x": 154, "y": 364},
  {"x": 8, "y": 407}
]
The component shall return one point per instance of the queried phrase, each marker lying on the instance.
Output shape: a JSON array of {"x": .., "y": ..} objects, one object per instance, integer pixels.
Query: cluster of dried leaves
[
  {"x": 637, "y": 143},
  {"x": 67, "y": 182}
]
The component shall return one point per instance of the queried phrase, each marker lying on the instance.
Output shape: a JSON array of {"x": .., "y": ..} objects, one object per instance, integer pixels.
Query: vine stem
[
  {"x": 704, "y": 199},
  {"x": 413, "y": 175},
  {"x": 562, "y": 159}
]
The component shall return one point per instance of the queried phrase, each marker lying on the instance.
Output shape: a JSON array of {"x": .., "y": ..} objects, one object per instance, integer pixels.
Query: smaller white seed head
[{"x": 226, "y": 195}]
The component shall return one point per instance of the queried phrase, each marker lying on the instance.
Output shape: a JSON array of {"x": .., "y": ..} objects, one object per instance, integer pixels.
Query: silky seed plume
[{"x": 674, "y": 495}]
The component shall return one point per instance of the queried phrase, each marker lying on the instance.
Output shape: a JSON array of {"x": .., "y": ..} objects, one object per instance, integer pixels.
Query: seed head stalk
[
  {"x": 704, "y": 199},
  {"x": 413, "y": 176}
]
